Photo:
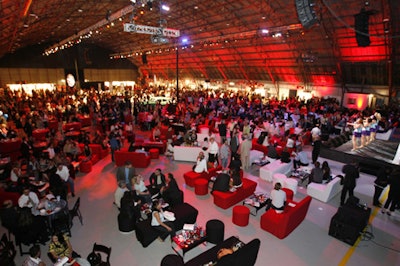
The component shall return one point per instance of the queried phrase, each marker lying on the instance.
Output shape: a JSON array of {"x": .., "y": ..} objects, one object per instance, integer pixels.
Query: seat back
[
  {"x": 75, "y": 212},
  {"x": 7, "y": 251},
  {"x": 103, "y": 249}
]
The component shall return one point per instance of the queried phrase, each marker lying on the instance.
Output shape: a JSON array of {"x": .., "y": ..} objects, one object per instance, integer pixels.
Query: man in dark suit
[
  {"x": 351, "y": 173},
  {"x": 235, "y": 142},
  {"x": 126, "y": 173},
  {"x": 157, "y": 181}
]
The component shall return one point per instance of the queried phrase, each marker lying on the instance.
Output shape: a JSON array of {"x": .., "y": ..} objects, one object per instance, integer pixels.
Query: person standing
[
  {"x": 224, "y": 155},
  {"x": 212, "y": 151},
  {"x": 380, "y": 183},
  {"x": 63, "y": 173},
  {"x": 316, "y": 149},
  {"x": 126, "y": 173},
  {"x": 394, "y": 192},
  {"x": 222, "y": 130},
  {"x": 351, "y": 173},
  {"x": 245, "y": 148},
  {"x": 235, "y": 141}
]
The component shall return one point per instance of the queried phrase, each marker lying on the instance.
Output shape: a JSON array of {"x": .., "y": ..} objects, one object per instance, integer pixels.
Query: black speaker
[
  {"x": 361, "y": 25},
  {"x": 343, "y": 231},
  {"x": 349, "y": 221},
  {"x": 144, "y": 59},
  {"x": 305, "y": 13}
]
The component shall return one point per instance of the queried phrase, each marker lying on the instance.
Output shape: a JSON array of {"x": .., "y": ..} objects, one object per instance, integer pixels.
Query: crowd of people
[{"x": 234, "y": 119}]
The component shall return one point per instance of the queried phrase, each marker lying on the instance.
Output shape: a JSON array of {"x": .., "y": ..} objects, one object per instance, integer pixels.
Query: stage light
[
  {"x": 185, "y": 40},
  {"x": 164, "y": 7},
  {"x": 264, "y": 31}
]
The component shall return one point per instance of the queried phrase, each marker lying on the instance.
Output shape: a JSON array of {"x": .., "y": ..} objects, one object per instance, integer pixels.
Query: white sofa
[
  {"x": 324, "y": 192},
  {"x": 187, "y": 153},
  {"x": 275, "y": 166}
]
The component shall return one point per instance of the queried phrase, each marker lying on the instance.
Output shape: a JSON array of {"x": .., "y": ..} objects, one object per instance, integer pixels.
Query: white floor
[{"x": 309, "y": 244}]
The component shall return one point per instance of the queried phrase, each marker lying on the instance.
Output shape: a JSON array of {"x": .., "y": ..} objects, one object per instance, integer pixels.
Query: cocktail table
[
  {"x": 186, "y": 240},
  {"x": 256, "y": 202}
]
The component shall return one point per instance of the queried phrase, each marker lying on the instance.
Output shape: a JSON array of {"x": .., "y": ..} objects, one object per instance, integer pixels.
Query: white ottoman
[
  {"x": 204, "y": 130},
  {"x": 291, "y": 183},
  {"x": 278, "y": 177}
]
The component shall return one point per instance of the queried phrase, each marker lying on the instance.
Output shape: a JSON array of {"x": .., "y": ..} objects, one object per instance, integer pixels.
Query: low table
[
  {"x": 256, "y": 202},
  {"x": 186, "y": 240},
  {"x": 301, "y": 173}
]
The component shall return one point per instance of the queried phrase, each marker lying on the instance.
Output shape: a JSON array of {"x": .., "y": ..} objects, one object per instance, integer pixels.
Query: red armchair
[
  {"x": 191, "y": 176},
  {"x": 138, "y": 159},
  {"x": 225, "y": 200},
  {"x": 282, "y": 224}
]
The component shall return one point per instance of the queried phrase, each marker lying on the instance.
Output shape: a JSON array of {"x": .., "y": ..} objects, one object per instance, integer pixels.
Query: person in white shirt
[
  {"x": 315, "y": 132},
  {"x": 278, "y": 199},
  {"x": 212, "y": 150},
  {"x": 159, "y": 222},
  {"x": 300, "y": 159},
  {"x": 119, "y": 193},
  {"x": 141, "y": 190},
  {"x": 28, "y": 199},
  {"x": 34, "y": 257},
  {"x": 201, "y": 164},
  {"x": 63, "y": 173}
]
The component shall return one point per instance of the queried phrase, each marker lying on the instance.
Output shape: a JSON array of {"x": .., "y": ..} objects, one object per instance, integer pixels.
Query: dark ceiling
[{"x": 225, "y": 38}]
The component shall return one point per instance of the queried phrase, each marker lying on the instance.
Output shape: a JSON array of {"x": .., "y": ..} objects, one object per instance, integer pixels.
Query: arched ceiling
[{"x": 225, "y": 37}]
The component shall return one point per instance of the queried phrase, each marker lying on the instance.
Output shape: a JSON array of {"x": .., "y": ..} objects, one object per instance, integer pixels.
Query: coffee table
[
  {"x": 256, "y": 202},
  {"x": 186, "y": 240}
]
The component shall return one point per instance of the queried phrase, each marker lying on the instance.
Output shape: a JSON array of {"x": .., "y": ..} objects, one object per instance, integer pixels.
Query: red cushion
[
  {"x": 240, "y": 215},
  {"x": 201, "y": 186}
]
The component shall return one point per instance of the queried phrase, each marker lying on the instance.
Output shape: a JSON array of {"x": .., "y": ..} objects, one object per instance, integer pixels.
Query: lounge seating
[
  {"x": 184, "y": 213},
  {"x": 192, "y": 176},
  {"x": 324, "y": 192},
  {"x": 5, "y": 195},
  {"x": 225, "y": 200},
  {"x": 186, "y": 153},
  {"x": 275, "y": 166},
  {"x": 246, "y": 255},
  {"x": 138, "y": 159},
  {"x": 258, "y": 147},
  {"x": 282, "y": 224}
]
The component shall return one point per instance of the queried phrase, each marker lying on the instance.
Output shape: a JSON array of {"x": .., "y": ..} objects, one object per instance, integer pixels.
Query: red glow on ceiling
[
  {"x": 323, "y": 80},
  {"x": 362, "y": 54}
]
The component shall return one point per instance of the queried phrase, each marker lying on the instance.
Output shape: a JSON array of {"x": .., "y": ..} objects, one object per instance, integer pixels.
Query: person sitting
[
  {"x": 326, "y": 171},
  {"x": 130, "y": 206},
  {"x": 236, "y": 180},
  {"x": 159, "y": 222},
  {"x": 87, "y": 152},
  {"x": 201, "y": 164},
  {"x": 141, "y": 190},
  {"x": 221, "y": 182},
  {"x": 34, "y": 257},
  {"x": 63, "y": 173},
  {"x": 61, "y": 247},
  {"x": 171, "y": 192},
  {"x": 285, "y": 156},
  {"x": 272, "y": 153},
  {"x": 235, "y": 163},
  {"x": 157, "y": 181},
  {"x": 170, "y": 148},
  {"x": 277, "y": 200},
  {"x": 316, "y": 175},
  {"x": 300, "y": 158},
  {"x": 156, "y": 133},
  {"x": 132, "y": 147},
  {"x": 28, "y": 199},
  {"x": 119, "y": 193}
]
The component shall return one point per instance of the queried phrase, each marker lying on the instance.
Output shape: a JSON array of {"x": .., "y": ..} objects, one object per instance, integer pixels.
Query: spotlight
[
  {"x": 165, "y": 7},
  {"x": 264, "y": 31}
]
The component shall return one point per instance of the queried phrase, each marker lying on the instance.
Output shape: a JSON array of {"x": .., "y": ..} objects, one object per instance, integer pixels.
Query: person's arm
[
  {"x": 69, "y": 246},
  {"x": 157, "y": 216}
]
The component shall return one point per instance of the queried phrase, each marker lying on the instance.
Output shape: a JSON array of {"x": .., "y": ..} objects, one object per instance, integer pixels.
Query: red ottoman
[
  {"x": 85, "y": 167},
  {"x": 201, "y": 186},
  {"x": 240, "y": 215},
  {"x": 154, "y": 153}
]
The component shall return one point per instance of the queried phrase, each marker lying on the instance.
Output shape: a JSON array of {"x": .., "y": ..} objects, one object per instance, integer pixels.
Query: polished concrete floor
[{"x": 309, "y": 244}]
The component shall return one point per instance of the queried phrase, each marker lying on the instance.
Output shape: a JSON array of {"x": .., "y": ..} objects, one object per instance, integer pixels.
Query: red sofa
[
  {"x": 192, "y": 176},
  {"x": 138, "y": 159},
  {"x": 225, "y": 200},
  {"x": 282, "y": 224}
]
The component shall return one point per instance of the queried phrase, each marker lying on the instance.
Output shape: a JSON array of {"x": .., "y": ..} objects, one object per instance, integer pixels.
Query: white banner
[{"x": 129, "y": 27}]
